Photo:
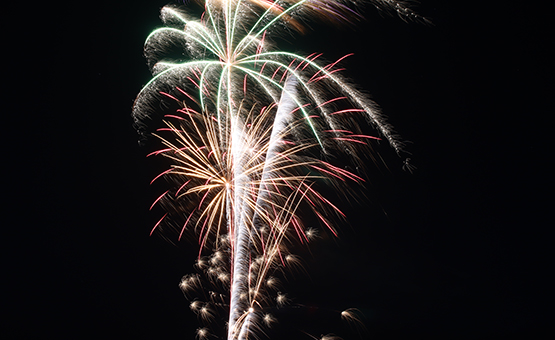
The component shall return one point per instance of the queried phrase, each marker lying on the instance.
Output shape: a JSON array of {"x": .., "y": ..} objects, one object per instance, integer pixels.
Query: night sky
[{"x": 461, "y": 248}]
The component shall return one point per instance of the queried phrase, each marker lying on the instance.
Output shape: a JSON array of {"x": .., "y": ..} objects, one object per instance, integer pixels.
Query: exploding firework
[{"x": 254, "y": 134}]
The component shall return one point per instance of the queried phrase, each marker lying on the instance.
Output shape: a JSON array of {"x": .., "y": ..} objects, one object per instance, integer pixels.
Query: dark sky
[{"x": 459, "y": 249}]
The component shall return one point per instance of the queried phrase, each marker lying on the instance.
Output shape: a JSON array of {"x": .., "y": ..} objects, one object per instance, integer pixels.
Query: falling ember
[{"x": 255, "y": 133}]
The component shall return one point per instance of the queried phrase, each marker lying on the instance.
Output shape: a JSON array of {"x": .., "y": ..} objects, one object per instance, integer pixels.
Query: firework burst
[{"x": 254, "y": 135}]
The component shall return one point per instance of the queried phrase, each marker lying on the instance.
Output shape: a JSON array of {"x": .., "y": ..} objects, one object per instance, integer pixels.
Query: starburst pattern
[{"x": 255, "y": 133}]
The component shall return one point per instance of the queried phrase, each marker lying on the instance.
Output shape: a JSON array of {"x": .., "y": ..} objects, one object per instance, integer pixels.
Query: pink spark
[
  {"x": 181, "y": 187},
  {"x": 245, "y": 85},
  {"x": 185, "y": 225},
  {"x": 308, "y": 60},
  {"x": 345, "y": 173},
  {"x": 169, "y": 96},
  {"x": 297, "y": 225},
  {"x": 331, "y": 100},
  {"x": 300, "y": 107},
  {"x": 157, "y": 224},
  {"x": 329, "y": 67},
  {"x": 325, "y": 200},
  {"x": 347, "y": 110},
  {"x": 194, "y": 82},
  {"x": 158, "y": 152},
  {"x": 326, "y": 171},
  {"x": 188, "y": 95},
  {"x": 325, "y": 75},
  {"x": 169, "y": 129},
  {"x": 195, "y": 72},
  {"x": 286, "y": 70},
  {"x": 365, "y": 136},
  {"x": 327, "y": 224},
  {"x": 203, "y": 197},
  {"x": 158, "y": 199},
  {"x": 337, "y": 131},
  {"x": 275, "y": 72},
  {"x": 262, "y": 68},
  {"x": 350, "y": 140},
  {"x": 260, "y": 44},
  {"x": 161, "y": 174},
  {"x": 174, "y": 116}
]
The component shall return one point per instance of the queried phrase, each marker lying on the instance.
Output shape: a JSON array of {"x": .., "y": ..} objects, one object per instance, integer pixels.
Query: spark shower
[{"x": 251, "y": 135}]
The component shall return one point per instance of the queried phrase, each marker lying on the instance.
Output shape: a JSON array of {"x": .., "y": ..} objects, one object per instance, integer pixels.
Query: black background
[{"x": 459, "y": 249}]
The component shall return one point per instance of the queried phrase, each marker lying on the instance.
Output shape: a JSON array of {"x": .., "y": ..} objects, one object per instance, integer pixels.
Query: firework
[{"x": 255, "y": 132}]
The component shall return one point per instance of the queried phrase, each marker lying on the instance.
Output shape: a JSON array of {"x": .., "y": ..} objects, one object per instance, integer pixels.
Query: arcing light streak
[{"x": 247, "y": 140}]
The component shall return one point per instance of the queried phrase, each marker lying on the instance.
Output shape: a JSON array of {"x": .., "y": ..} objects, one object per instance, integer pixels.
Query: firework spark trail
[
  {"x": 281, "y": 120},
  {"x": 239, "y": 253},
  {"x": 244, "y": 142},
  {"x": 238, "y": 287}
]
